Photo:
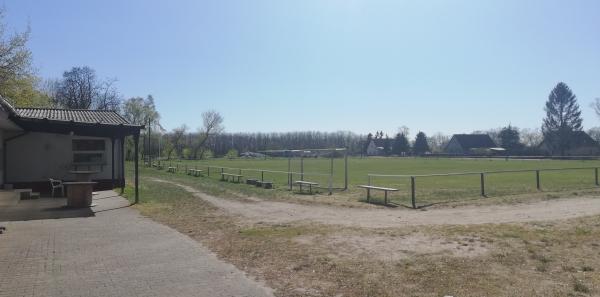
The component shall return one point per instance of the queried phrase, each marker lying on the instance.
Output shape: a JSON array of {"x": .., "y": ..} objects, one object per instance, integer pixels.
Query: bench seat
[
  {"x": 301, "y": 183},
  {"x": 384, "y": 189}
]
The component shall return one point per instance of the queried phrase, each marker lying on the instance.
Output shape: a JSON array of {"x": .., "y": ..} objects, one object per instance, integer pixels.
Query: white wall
[{"x": 39, "y": 156}]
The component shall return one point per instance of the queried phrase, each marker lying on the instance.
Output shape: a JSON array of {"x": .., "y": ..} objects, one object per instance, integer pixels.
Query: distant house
[
  {"x": 376, "y": 146},
  {"x": 581, "y": 144},
  {"x": 470, "y": 144}
]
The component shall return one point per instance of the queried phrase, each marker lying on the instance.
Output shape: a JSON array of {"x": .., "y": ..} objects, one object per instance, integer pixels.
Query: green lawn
[{"x": 428, "y": 189}]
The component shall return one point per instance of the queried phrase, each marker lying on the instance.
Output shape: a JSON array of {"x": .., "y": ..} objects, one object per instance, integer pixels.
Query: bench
[
  {"x": 267, "y": 184},
  {"x": 194, "y": 172},
  {"x": 301, "y": 183},
  {"x": 234, "y": 177},
  {"x": 251, "y": 181},
  {"x": 172, "y": 169},
  {"x": 386, "y": 190}
]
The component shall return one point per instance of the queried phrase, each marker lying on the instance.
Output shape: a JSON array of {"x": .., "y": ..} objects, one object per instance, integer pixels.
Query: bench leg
[
  {"x": 300, "y": 188},
  {"x": 310, "y": 189},
  {"x": 385, "y": 200},
  {"x": 368, "y": 195}
]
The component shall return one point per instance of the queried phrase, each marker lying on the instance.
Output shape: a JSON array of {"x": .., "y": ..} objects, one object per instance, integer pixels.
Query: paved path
[{"x": 116, "y": 252}]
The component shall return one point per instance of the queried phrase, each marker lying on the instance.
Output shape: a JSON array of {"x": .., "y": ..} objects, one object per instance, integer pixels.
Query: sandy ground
[{"x": 257, "y": 210}]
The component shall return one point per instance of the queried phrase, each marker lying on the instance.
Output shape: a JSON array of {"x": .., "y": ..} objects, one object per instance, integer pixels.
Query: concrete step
[{"x": 8, "y": 198}]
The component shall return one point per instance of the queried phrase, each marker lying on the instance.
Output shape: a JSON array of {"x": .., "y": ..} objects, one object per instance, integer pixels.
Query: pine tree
[
  {"x": 401, "y": 144},
  {"x": 563, "y": 118},
  {"x": 421, "y": 146},
  {"x": 510, "y": 139}
]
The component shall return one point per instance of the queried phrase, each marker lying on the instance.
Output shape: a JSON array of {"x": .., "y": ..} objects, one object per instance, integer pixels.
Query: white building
[{"x": 42, "y": 143}]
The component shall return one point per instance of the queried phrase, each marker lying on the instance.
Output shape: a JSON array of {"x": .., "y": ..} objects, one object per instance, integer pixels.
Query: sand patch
[{"x": 393, "y": 248}]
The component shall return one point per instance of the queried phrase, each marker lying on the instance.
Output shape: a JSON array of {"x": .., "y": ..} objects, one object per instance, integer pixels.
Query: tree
[
  {"x": 401, "y": 144},
  {"x": 80, "y": 89},
  {"x": 437, "y": 142},
  {"x": 178, "y": 140},
  {"x": 140, "y": 111},
  {"x": 212, "y": 124},
  {"x": 369, "y": 139},
  {"x": 531, "y": 138},
  {"x": 387, "y": 146},
  {"x": 510, "y": 139},
  {"x": 563, "y": 118},
  {"x": 421, "y": 146},
  {"x": 18, "y": 82}
]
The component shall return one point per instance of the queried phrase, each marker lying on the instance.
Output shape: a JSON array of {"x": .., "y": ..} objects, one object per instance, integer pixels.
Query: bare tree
[
  {"x": 531, "y": 137},
  {"x": 80, "y": 89},
  {"x": 212, "y": 124},
  {"x": 178, "y": 141}
]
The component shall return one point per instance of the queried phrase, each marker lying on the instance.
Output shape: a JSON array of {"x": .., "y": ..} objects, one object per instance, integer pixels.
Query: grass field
[
  {"x": 428, "y": 189},
  {"x": 310, "y": 259}
]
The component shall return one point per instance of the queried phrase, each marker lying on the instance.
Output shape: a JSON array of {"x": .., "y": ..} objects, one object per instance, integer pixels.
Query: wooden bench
[
  {"x": 310, "y": 185},
  {"x": 386, "y": 190},
  {"x": 195, "y": 172},
  {"x": 172, "y": 169},
  {"x": 267, "y": 184},
  {"x": 251, "y": 181},
  {"x": 234, "y": 177}
]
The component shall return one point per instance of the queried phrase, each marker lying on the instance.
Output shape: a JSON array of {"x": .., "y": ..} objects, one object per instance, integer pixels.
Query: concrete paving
[{"x": 113, "y": 252}]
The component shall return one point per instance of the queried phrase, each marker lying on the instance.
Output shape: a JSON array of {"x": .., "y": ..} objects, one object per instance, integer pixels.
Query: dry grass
[{"x": 535, "y": 259}]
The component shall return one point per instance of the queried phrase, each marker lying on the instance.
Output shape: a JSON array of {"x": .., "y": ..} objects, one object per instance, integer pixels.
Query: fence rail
[
  {"x": 482, "y": 179},
  {"x": 290, "y": 174}
]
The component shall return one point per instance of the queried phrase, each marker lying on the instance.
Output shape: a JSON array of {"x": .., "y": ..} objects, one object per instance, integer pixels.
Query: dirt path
[{"x": 282, "y": 212}]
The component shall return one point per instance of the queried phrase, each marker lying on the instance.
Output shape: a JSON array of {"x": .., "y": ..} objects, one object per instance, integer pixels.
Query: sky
[{"x": 328, "y": 65}]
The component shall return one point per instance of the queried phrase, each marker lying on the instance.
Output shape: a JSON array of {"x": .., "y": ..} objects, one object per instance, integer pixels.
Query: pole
[
  {"x": 412, "y": 192},
  {"x": 482, "y": 184},
  {"x": 122, "y": 164},
  {"x": 136, "y": 140},
  {"x": 302, "y": 168},
  {"x": 537, "y": 179},
  {"x": 290, "y": 173},
  {"x": 331, "y": 176},
  {"x": 346, "y": 169},
  {"x": 112, "y": 162},
  {"x": 596, "y": 176}
]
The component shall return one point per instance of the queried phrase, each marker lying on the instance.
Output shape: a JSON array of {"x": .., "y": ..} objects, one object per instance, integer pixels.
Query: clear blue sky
[{"x": 359, "y": 65}]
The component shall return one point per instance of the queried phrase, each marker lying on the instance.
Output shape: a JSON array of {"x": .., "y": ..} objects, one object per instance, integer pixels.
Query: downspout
[{"x": 4, "y": 153}]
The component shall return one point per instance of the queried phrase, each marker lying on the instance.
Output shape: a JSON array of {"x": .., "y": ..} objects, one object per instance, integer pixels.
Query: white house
[{"x": 42, "y": 143}]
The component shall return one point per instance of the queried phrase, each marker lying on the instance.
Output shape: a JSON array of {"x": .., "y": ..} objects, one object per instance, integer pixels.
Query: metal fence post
[
  {"x": 369, "y": 183},
  {"x": 482, "y": 184},
  {"x": 208, "y": 171},
  {"x": 412, "y": 192},
  {"x": 537, "y": 179},
  {"x": 262, "y": 176},
  {"x": 596, "y": 175}
]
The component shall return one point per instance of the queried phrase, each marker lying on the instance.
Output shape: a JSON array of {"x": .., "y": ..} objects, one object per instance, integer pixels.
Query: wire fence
[
  {"x": 426, "y": 189},
  {"x": 277, "y": 177}
]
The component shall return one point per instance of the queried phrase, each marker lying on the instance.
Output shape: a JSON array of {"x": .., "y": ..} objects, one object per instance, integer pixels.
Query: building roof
[
  {"x": 73, "y": 115},
  {"x": 70, "y": 121},
  {"x": 578, "y": 139},
  {"x": 470, "y": 141}
]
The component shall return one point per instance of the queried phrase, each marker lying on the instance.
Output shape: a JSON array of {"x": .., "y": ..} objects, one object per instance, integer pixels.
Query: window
[
  {"x": 88, "y": 145},
  {"x": 88, "y": 151}
]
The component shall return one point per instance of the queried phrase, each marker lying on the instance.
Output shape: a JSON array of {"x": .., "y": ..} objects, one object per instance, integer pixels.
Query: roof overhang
[{"x": 76, "y": 128}]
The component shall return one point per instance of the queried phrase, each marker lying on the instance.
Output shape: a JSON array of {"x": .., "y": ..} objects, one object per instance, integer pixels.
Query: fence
[
  {"x": 483, "y": 176},
  {"x": 277, "y": 176}
]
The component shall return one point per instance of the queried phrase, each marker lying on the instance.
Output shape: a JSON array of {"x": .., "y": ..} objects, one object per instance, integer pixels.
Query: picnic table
[
  {"x": 194, "y": 172},
  {"x": 384, "y": 189},
  {"x": 310, "y": 185},
  {"x": 172, "y": 169},
  {"x": 234, "y": 177},
  {"x": 267, "y": 184}
]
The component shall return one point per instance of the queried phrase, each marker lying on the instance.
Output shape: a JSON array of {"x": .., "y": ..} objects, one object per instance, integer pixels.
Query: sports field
[{"x": 427, "y": 189}]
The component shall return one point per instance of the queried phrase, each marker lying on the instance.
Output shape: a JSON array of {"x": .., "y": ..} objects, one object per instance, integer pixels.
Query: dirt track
[{"x": 282, "y": 212}]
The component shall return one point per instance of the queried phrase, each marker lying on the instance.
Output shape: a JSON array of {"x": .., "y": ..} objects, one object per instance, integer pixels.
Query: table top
[
  {"x": 80, "y": 183},
  {"x": 83, "y": 171}
]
